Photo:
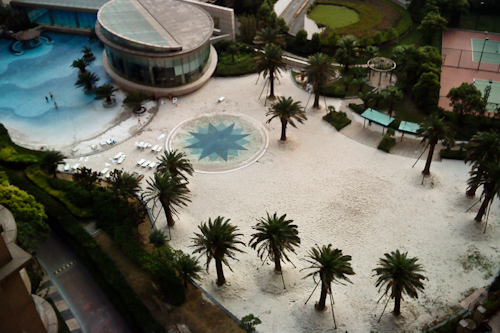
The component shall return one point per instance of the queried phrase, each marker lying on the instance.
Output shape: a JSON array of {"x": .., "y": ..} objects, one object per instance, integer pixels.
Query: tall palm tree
[
  {"x": 170, "y": 191},
  {"x": 188, "y": 268},
  {"x": 288, "y": 111},
  {"x": 176, "y": 163},
  {"x": 87, "y": 80},
  {"x": 399, "y": 275},
  {"x": 123, "y": 184},
  {"x": 105, "y": 92},
  {"x": 366, "y": 97},
  {"x": 482, "y": 147},
  {"x": 50, "y": 160},
  {"x": 319, "y": 70},
  {"x": 81, "y": 64},
  {"x": 270, "y": 63},
  {"x": 392, "y": 94},
  {"x": 135, "y": 100},
  {"x": 274, "y": 237},
  {"x": 347, "y": 51},
  {"x": 330, "y": 265},
  {"x": 487, "y": 175},
  {"x": 433, "y": 129},
  {"x": 87, "y": 54},
  {"x": 218, "y": 241},
  {"x": 269, "y": 36}
]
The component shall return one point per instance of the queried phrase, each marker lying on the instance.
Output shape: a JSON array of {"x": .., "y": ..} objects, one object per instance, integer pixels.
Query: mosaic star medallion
[{"x": 219, "y": 142}]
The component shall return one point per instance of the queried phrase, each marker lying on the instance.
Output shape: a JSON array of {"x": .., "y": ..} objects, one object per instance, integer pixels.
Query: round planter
[
  {"x": 140, "y": 111},
  {"x": 91, "y": 90},
  {"x": 109, "y": 105}
]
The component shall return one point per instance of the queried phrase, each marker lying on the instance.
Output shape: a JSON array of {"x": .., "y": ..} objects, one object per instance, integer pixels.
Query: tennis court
[
  {"x": 494, "y": 98},
  {"x": 486, "y": 52}
]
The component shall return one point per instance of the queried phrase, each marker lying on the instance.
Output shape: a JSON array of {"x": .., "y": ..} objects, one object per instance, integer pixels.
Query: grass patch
[
  {"x": 387, "y": 141},
  {"x": 475, "y": 260},
  {"x": 338, "y": 120},
  {"x": 243, "y": 64},
  {"x": 333, "y": 16}
]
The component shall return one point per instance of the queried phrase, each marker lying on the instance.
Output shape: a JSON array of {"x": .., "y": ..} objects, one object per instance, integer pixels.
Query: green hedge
[
  {"x": 359, "y": 109},
  {"x": 332, "y": 91},
  {"x": 34, "y": 173},
  {"x": 405, "y": 22},
  {"x": 100, "y": 266},
  {"x": 226, "y": 68},
  {"x": 387, "y": 143},
  {"x": 14, "y": 156},
  {"x": 338, "y": 120},
  {"x": 452, "y": 154}
]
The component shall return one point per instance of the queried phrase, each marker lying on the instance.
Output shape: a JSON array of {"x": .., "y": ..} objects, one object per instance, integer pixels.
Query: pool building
[{"x": 161, "y": 47}]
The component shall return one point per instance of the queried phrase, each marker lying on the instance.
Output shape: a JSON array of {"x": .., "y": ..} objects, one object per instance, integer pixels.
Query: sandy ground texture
[{"x": 337, "y": 191}]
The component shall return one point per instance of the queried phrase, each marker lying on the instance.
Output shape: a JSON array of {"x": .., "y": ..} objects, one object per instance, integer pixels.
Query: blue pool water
[{"x": 25, "y": 80}]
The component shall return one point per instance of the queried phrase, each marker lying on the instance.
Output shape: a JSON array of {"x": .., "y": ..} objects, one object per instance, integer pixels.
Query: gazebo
[{"x": 382, "y": 65}]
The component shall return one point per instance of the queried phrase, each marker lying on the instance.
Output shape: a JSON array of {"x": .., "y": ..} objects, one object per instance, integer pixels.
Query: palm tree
[
  {"x": 157, "y": 238},
  {"x": 371, "y": 51},
  {"x": 275, "y": 236},
  {"x": 487, "y": 175},
  {"x": 392, "y": 94},
  {"x": 482, "y": 147},
  {"x": 366, "y": 97},
  {"x": 170, "y": 190},
  {"x": 50, "y": 160},
  {"x": 432, "y": 130},
  {"x": 135, "y": 100},
  {"x": 270, "y": 63},
  {"x": 377, "y": 97},
  {"x": 176, "y": 163},
  {"x": 123, "y": 184},
  {"x": 400, "y": 275},
  {"x": 232, "y": 50},
  {"x": 87, "y": 80},
  {"x": 347, "y": 51},
  {"x": 87, "y": 54},
  {"x": 360, "y": 82},
  {"x": 106, "y": 92},
  {"x": 319, "y": 70},
  {"x": 188, "y": 267},
  {"x": 288, "y": 111},
  {"x": 81, "y": 64},
  {"x": 269, "y": 36},
  {"x": 330, "y": 265},
  {"x": 218, "y": 241}
]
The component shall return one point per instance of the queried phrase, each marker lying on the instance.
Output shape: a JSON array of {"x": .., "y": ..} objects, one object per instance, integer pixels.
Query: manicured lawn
[{"x": 333, "y": 16}]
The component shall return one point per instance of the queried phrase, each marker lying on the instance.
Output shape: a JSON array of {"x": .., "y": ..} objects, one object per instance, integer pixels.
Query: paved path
[{"x": 94, "y": 311}]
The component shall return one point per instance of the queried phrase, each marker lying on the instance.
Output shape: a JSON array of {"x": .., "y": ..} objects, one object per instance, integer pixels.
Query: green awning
[
  {"x": 408, "y": 127},
  {"x": 377, "y": 117}
]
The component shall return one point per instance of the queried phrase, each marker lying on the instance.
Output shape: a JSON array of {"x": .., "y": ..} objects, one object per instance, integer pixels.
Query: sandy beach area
[{"x": 361, "y": 200}]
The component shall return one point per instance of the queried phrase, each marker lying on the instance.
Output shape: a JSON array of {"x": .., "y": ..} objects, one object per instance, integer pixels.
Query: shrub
[
  {"x": 387, "y": 142},
  {"x": 237, "y": 68},
  {"x": 452, "y": 154},
  {"x": 332, "y": 91},
  {"x": 338, "y": 120},
  {"x": 359, "y": 109}
]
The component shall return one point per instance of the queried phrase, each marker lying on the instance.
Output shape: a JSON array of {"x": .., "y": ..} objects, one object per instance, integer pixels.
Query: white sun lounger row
[
  {"x": 156, "y": 149},
  {"x": 142, "y": 145},
  {"x": 144, "y": 163},
  {"x": 107, "y": 142}
]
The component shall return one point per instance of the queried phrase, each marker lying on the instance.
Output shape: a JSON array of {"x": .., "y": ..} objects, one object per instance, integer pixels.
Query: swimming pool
[{"x": 26, "y": 80}]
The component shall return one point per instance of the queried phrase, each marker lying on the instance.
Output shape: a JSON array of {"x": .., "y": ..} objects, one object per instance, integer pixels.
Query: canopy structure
[
  {"x": 377, "y": 117},
  {"x": 408, "y": 127}
]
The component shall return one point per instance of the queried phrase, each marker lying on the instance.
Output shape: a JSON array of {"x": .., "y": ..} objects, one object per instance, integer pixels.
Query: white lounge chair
[
  {"x": 121, "y": 159},
  {"x": 141, "y": 145},
  {"x": 117, "y": 156},
  {"x": 147, "y": 145},
  {"x": 104, "y": 171},
  {"x": 141, "y": 161},
  {"x": 145, "y": 164},
  {"x": 66, "y": 167},
  {"x": 221, "y": 99},
  {"x": 74, "y": 150},
  {"x": 103, "y": 143},
  {"x": 109, "y": 141},
  {"x": 159, "y": 149},
  {"x": 154, "y": 148},
  {"x": 76, "y": 166},
  {"x": 94, "y": 147},
  {"x": 152, "y": 165}
]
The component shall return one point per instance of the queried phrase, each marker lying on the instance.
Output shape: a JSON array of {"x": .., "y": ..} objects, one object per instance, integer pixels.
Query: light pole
[
  {"x": 481, "y": 57},
  {"x": 478, "y": 15}
]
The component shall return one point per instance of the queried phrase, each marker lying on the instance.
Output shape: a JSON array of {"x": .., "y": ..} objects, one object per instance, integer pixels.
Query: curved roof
[{"x": 162, "y": 24}]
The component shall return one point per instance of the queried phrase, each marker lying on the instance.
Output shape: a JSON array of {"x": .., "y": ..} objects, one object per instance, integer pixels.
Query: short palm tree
[
  {"x": 87, "y": 80},
  {"x": 269, "y": 36},
  {"x": 218, "y": 241},
  {"x": 487, "y": 175},
  {"x": 275, "y": 237},
  {"x": 123, "y": 184},
  {"x": 105, "y": 92},
  {"x": 330, "y": 265},
  {"x": 392, "y": 94},
  {"x": 319, "y": 70},
  {"x": 288, "y": 111},
  {"x": 188, "y": 268},
  {"x": 50, "y": 160},
  {"x": 432, "y": 130},
  {"x": 270, "y": 63},
  {"x": 367, "y": 98},
  {"x": 482, "y": 147},
  {"x": 87, "y": 54},
  {"x": 157, "y": 238},
  {"x": 347, "y": 51},
  {"x": 135, "y": 100},
  {"x": 400, "y": 276},
  {"x": 176, "y": 163},
  {"x": 81, "y": 64},
  {"x": 170, "y": 191}
]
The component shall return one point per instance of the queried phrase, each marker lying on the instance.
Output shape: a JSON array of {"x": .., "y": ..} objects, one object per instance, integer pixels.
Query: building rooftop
[{"x": 167, "y": 24}]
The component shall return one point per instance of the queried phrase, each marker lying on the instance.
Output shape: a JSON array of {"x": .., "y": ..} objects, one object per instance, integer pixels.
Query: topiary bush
[{"x": 338, "y": 120}]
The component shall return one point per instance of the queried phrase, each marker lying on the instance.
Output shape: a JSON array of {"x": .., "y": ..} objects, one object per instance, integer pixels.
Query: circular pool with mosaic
[{"x": 219, "y": 142}]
